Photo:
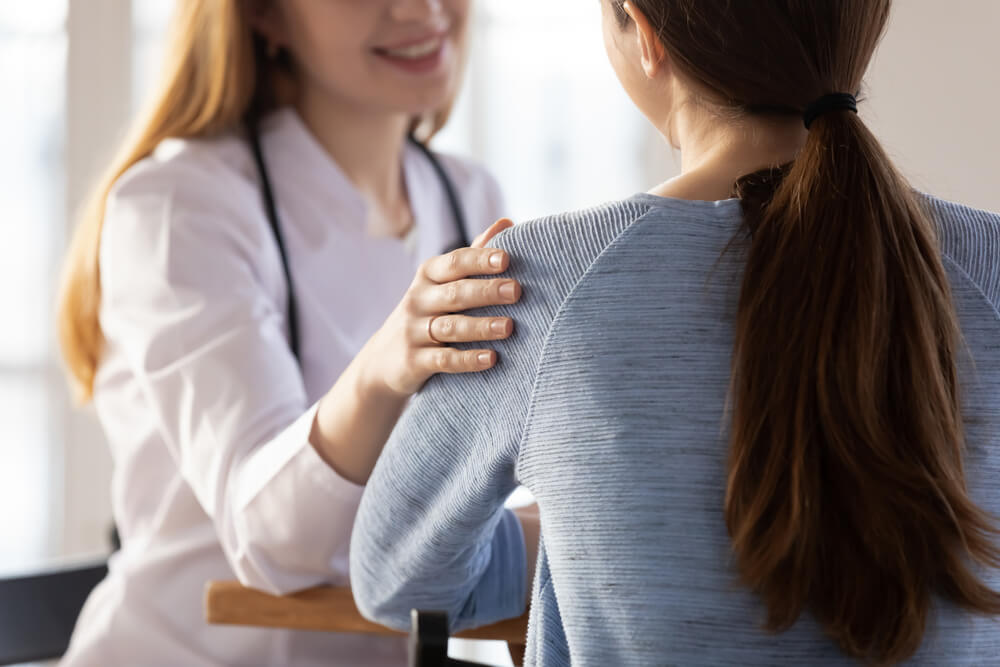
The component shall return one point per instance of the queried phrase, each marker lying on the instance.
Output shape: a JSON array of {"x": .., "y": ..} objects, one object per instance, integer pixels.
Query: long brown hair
[
  {"x": 216, "y": 71},
  {"x": 846, "y": 492}
]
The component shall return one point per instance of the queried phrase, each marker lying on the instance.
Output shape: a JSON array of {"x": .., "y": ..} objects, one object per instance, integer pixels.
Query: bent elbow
[
  {"x": 251, "y": 575},
  {"x": 379, "y": 603}
]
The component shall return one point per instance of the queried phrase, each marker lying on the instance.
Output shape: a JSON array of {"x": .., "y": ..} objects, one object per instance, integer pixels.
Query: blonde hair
[{"x": 215, "y": 70}]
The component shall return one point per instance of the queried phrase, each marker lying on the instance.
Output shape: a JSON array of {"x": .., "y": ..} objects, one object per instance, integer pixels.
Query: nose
[{"x": 416, "y": 11}]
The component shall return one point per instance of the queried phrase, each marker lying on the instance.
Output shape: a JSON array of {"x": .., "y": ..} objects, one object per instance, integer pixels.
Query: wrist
[
  {"x": 371, "y": 385},
  {"x": 355, "y": 418}
]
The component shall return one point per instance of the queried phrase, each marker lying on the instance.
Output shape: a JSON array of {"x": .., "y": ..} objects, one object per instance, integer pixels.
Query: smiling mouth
[{"x": 414, "y": 51}]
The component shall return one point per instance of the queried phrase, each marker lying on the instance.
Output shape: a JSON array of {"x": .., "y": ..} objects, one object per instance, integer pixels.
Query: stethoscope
[{"x": 267, "y": 194}]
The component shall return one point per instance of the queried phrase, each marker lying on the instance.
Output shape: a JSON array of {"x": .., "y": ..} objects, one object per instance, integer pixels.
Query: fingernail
[
  {"x": 498, "y": 327},
  {"x": 507, "y": 291},
  {"x": 496, "y": 260},
  {"x": 485, "y": 358}
]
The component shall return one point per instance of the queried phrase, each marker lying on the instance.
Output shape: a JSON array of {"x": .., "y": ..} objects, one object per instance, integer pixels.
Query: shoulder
[
  {"x": 970, "y": 238},
  {"x": 180, "y": 168},
  {"x": 957, "y": 222},
  {"x": 549, "y": 257},
  {"x": 187, "y": 191},
  {"x": 568, "y": 242},
  {"x": 188, "y": 214}
]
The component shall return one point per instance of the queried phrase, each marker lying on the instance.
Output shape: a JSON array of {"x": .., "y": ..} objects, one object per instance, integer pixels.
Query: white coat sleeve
[{"x": 183, "y": 266}]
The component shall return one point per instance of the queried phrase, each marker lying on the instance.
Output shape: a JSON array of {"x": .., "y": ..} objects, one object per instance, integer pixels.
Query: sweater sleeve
[{"x": 432, "y": 532}]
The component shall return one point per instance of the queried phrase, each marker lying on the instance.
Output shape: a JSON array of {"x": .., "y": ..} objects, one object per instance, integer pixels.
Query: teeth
[{"x": 417, "y": 50}]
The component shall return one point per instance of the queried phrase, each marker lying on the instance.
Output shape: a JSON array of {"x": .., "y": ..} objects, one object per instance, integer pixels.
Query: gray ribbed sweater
[{"x": 608, "y": 405}]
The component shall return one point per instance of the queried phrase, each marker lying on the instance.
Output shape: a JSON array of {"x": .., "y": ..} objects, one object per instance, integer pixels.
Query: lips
[
  {"x": 424, "y": 56},
  {"x": 414, "y": 51}
]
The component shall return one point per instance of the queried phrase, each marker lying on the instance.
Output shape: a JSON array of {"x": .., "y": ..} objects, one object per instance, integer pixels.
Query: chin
[{"x": 423, "y": 101}]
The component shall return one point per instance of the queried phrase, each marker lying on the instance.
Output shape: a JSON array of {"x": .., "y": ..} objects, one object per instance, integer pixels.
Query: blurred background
[{"x": 541, "y": 108}]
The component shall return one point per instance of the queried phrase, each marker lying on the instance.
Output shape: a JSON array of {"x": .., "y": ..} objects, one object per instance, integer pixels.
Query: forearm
[{"x": 353, "y": 422}]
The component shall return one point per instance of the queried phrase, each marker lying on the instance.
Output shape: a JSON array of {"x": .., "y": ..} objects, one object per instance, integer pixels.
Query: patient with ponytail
[{"x": 757, "y": 405}]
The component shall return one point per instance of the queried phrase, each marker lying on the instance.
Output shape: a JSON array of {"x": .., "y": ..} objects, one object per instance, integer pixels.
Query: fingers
[
  {"x": 495, "y": 228},
  {"x": 465, "y": 262},
  {"x": 444, "y": 285},
  {"x": 462, "y": 329},
  {"x": 460, "y": 295},
  {"x": 449, "y": 360}
]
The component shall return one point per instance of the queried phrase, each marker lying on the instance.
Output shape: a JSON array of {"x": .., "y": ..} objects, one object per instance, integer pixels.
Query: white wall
[
  {"x": 99, "y": 59},
  {"x": 934, "y": 97}
]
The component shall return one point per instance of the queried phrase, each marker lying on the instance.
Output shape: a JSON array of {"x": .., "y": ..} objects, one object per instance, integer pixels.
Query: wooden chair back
[{"x": 327, "y": 609}]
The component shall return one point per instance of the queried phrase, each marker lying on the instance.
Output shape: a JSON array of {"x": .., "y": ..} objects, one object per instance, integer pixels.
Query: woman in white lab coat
[{"x": 242, "y": 308}]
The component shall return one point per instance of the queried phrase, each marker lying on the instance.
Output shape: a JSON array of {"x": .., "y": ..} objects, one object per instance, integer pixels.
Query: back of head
[{"x": 846, "y": 491}]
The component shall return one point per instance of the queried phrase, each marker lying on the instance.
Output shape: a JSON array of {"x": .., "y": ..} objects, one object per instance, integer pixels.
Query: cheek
[
  {"x": 327, "y": 38},
  {"x": 334, "y": 44},
  {"x": 459, "y": 10}
]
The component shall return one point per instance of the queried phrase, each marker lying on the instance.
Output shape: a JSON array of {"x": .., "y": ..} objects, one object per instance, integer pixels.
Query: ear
[{"x": 650, "y": 47}]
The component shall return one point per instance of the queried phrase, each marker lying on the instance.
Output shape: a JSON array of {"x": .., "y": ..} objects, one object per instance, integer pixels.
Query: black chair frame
[
  {"x": 428, "y": 645},
  {"x": 38, "y": 611}
]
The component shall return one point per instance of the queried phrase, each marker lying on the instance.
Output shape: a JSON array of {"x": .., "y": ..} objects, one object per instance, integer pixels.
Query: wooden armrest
[{"x": 325, "y": 608}]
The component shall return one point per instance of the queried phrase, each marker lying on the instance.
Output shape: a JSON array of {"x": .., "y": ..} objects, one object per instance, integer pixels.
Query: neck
[
  {"x": 370, "y": 153},
  {"x": 715, "y": 152}
]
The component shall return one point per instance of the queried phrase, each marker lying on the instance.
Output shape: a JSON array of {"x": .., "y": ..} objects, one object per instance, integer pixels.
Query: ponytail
[{"x": 846, "y": 492}]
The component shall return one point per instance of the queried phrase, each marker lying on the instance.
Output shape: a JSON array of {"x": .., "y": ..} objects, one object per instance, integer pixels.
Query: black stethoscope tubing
[{"x": 271, "y": 209}]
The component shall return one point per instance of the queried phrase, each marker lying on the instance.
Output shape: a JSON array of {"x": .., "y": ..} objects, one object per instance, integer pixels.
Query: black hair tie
[{"x": 828, "y": 103}]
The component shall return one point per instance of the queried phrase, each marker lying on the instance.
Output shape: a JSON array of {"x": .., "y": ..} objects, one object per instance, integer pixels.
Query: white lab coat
[{"x": 206, "y": 411}]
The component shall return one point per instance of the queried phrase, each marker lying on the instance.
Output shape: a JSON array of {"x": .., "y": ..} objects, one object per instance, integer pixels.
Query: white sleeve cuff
[{"x": 294, "y": 514}]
